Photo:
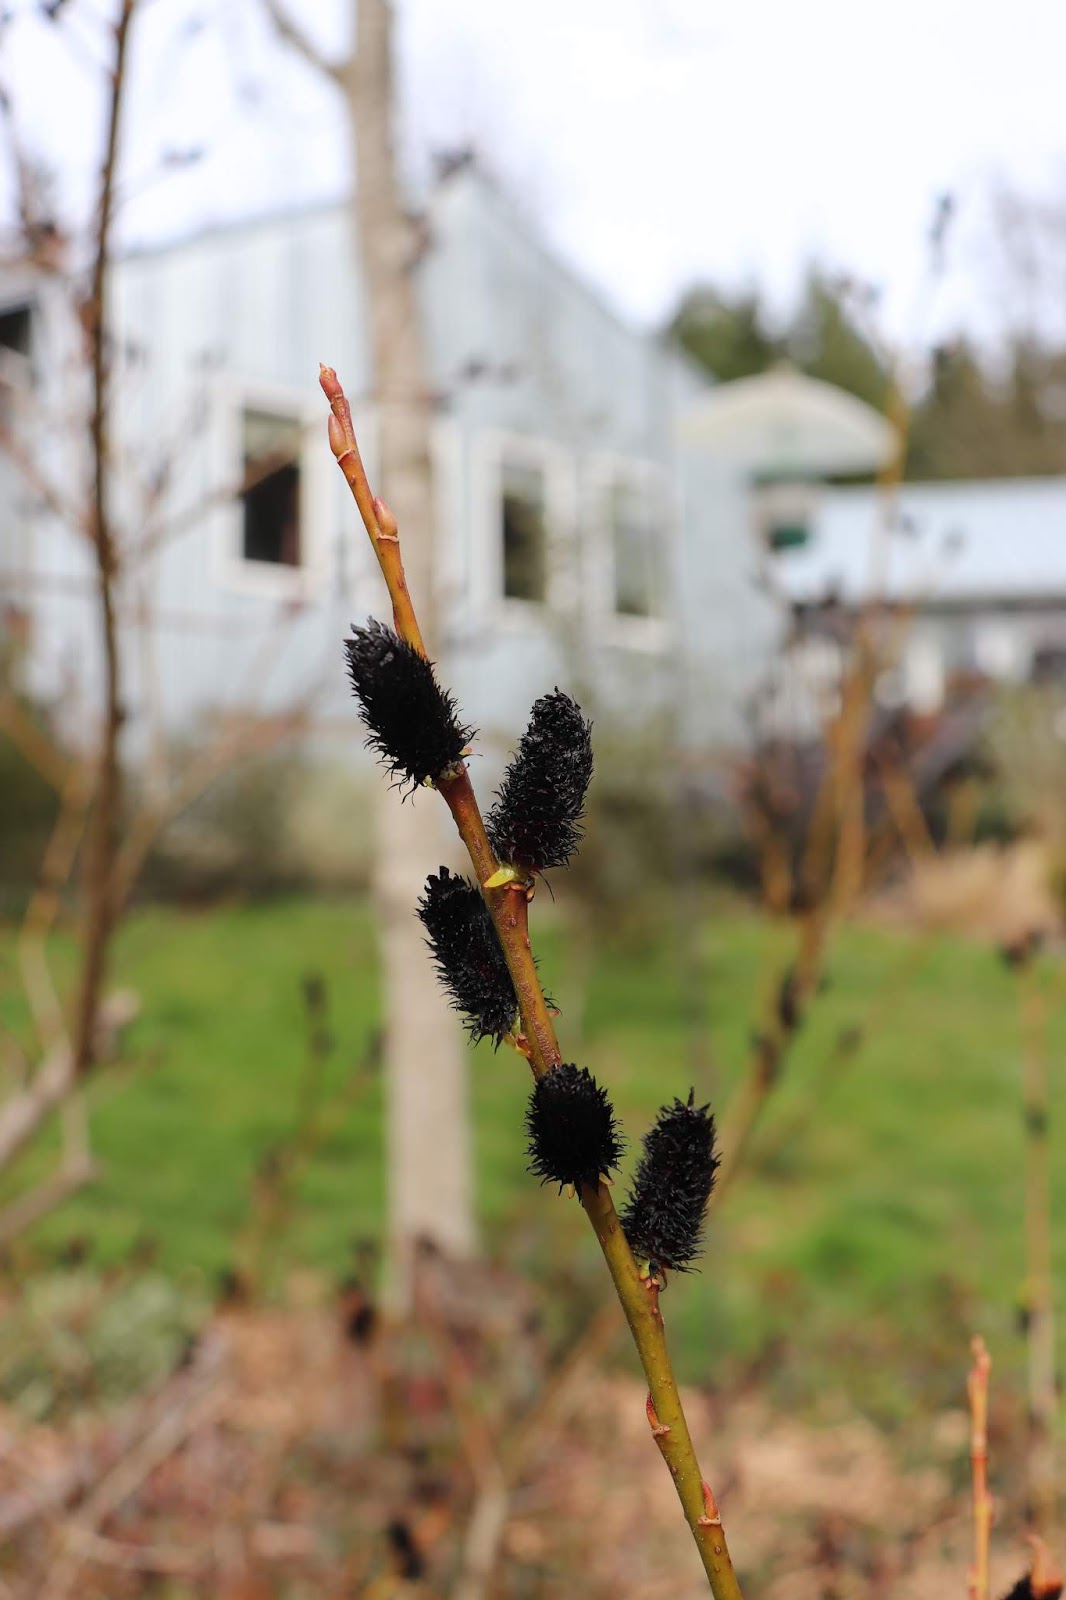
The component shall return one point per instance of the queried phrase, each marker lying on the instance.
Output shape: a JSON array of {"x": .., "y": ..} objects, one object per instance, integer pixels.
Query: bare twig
[
  {"x": 32, "y": 744},
  {"x": 977, "y": 1391},
  {"x": 834, "y": 862},
  {"x": 101, "y": 836},
  {"x": 120, "y": 1441},
  {"x": 846, "y": 1049},
  {"x": 316, "y": 1121},
  {"x": 174, "y": 1559},
  {"x": 41, "y": 487},
  {"x": 251, "y": 736},
  {"x": 29, "y": 1208},
  {"x": 24, "y": 1112},
  {"x": 290, "y": 33},
  {"x": 496, "y": 1489},
  {"x": 56, "y": 867},
  {"x": 192, "y": 1404},
  {"x": 1039, "y": 1274}
]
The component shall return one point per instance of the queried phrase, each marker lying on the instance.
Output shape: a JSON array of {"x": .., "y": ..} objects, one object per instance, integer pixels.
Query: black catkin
[
  {"x": 573, "y": 1132},
  {"x": 1047, "y": 1587},
  {"x": 663, "y": 1218},
  {"x": 414, "y": 724},
  {"x": 468, "y": 955},
  {"x": 403, "y": 1547},
  {"x": 536, "y": 820}
]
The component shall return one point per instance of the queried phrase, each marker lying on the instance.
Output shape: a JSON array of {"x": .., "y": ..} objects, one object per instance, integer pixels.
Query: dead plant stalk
[{"x": 977, "y": 1391}]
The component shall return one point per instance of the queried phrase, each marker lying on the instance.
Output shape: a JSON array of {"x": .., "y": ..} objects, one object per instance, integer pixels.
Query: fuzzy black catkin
[
  {"x": 536, "y": 820},
  {"x": 414, "y": 725},
  {"x": 573, "y": 1132},
  {"x": 1050, "y": 1588},
  {"x": 468, "y": 955},
  {"x": 663, "y": 1218}
]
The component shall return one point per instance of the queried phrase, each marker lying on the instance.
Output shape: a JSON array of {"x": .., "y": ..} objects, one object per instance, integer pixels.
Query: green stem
[{"x": 509, "y": 908}]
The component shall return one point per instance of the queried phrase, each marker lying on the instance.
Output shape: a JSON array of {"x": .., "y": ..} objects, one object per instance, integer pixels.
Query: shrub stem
[{"x": 508, "y": 905}]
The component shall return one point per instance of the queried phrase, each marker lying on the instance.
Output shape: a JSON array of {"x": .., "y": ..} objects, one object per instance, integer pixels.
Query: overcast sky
[{"x": 654, "y": 141}]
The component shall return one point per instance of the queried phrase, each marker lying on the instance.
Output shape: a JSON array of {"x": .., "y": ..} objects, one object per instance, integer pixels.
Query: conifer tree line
[{"x": 980, "y": 411}]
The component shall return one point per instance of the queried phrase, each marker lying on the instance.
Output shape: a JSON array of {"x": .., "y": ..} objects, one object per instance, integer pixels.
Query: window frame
[
  {"x": 494, "y": 449},
  {"x": 233, "y": 570},
  {"x": 606, "y": 471},
  {"x": 17, "y": 366},
  {"x": 780, "y": 504}
]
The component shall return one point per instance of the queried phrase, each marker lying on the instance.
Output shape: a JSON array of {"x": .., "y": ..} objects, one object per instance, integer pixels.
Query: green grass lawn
[{"x": 883, "y": 1229}]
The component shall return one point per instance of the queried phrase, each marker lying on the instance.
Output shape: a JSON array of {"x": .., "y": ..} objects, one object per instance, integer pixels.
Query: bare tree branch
[
  {"x": 41, "y": 912},
  {"x": 34, "y": 745},
  {"x": 41, "y": 486},
  {"x": 101, "y": 839},
  {"x": 36, "y": 1203},
  {"x": 290, "y": 33},
  {"x": 22, "y": 1114}
]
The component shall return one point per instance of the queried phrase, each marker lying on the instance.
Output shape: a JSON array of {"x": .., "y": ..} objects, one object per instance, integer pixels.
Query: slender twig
[
  {"x": 24, "y": 1112},
  {"x": 317, "y": 1120},
  {"x": 70, "y": 1176},
  {"x": 792, "y": 993},
  {"x": 198, "y": 1402},
  {"x": 1039, "y": 1276},
  {"x": 904, "y": 807},
  {"x": 44, "y": 490},
  {"x": 31, "y": 945},
  {"x": 173, "y": 1559},
  {"x": 834, "y": 858},
  {"x": 103, "y": 823},
  {"x": 846, "y": 1049},
  {"x": 252, "y": 736},
  {"x": 291, "y": 33},
  {"x": 977, "y": 1391},
  {"x": 638, "y": 1296},
  {"x": 115, "y": 1457},
  {"x": 32, "y": 743}
]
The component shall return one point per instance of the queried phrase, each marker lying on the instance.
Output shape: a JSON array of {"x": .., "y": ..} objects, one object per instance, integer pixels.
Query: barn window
[
  {"x": 16, "y": 325},
  {"x": 524, "y": 530},
  {"x": 636, "y": 548},
  {"x": 16, "y": 342},
  {"x": 790, "y": 534},
  {"x": 271, "y": 445}
]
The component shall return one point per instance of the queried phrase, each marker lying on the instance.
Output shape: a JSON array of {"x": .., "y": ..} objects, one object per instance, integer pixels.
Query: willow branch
[{"x": 638, "y": 1296}]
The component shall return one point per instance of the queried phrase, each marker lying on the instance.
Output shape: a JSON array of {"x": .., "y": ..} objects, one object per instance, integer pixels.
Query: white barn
[
  {"x": 977, "y": 570},
  {"x": 586, "y": 538}
]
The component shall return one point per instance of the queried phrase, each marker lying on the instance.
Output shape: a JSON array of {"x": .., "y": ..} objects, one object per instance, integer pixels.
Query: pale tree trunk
[
  {"x": 429, "y": 1153},
  {"x": 429, "y": 1156},
  {"x": 429, "y": 1148}
]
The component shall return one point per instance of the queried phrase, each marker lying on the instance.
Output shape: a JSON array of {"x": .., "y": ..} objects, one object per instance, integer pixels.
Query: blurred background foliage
[{"x": 981, "y": 414}]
